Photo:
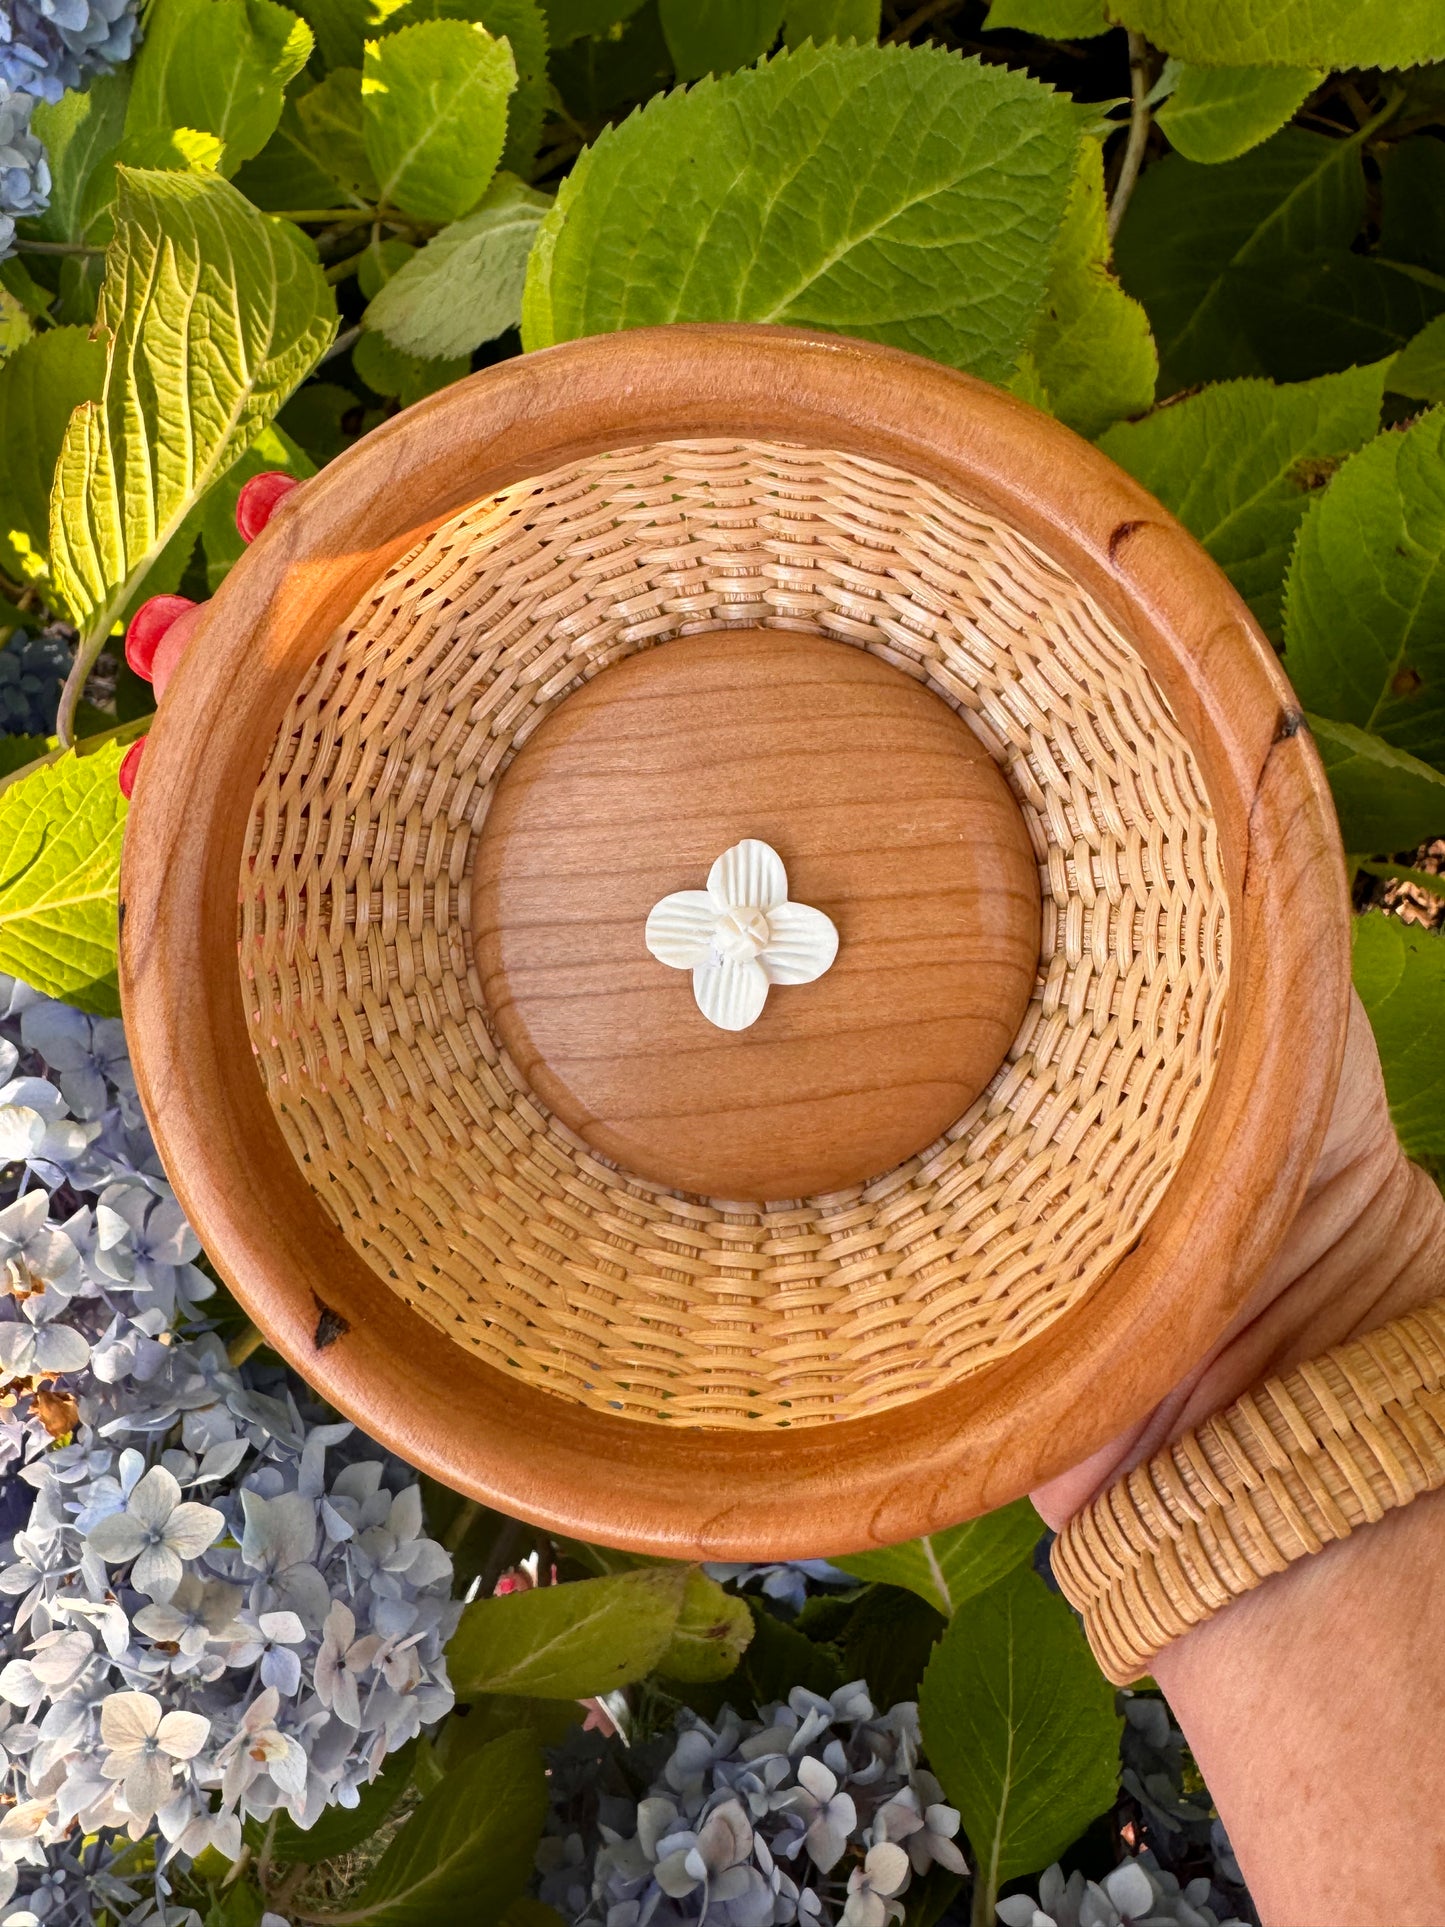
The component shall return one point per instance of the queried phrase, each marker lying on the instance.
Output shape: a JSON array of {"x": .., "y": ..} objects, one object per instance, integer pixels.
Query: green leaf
[
  {"x": 15, "y": 325},
  {"x": 523, "y": 25},
  {"x": 1052, "y": 19},
  {"x": 340, "y": 1829},
  {"x": 1403, "y": 873},
  {"x": 488, "y": 1718},
  {"x": 1419, "y": 368},
  {"x": 569, "y": 20},
  {"x": 897, "y": 193},
  {"x": 1333, "y": 307},
  {"x": 1386, "y": 800},
  {"x": 1019, "y": 1725},
  {"x": 780, "y": 1658},
  {"x": 1239, "y": 462},
  {"x": 1291, "y": 33},
  {"x": 821, "y": 20},
  {"x": 81, "y": 132},
  {"x": 333, "y": 121},
  {"x": 214, "y": 312},
  {"x": 527, "y": 1912},
  {"x": 1399, "y": 972},
  {"x": 1091, "y": 344},
  {"x": 60, "y": 838},
  {"x": 290, "y": 171},
  {"x": 1412, "y": 197},
  {"x": 218, "y": 65},
  {"x": 712, "y": 1633},
  {"x": 17, "y": 751},
  {"x": 889, "y": 1640},
  {"x": 40, "y": 384},
  {"x": 1365, "y": 599},
  {"x": 466, "y": 1853},
  {"x": 389, "y": 372},
  {"x": 1199, "y": 243},
  {"x": 949, "y": 1568},
  {"x": 715, "y": 36},
  {"x": 570, "y": 1641},
  {"x": 465, "y": 286},
  {"x": 1218, "y": 113},
  {"x": 434, "y": 98}
]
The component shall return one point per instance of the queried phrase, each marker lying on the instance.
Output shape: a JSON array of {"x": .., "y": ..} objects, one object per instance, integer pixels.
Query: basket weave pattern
[{"x": 488, "y": 1215}]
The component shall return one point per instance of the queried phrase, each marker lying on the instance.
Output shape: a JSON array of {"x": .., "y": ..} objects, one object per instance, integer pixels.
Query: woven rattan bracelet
[{"x": 1297, "y": 1462}]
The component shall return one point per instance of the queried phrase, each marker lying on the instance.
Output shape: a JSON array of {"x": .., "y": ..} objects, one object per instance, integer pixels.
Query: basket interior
[{"x": 485, "y": 1213}]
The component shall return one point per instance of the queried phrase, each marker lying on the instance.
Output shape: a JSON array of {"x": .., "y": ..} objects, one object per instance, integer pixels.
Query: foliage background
[{"x": 237, "y": 235}]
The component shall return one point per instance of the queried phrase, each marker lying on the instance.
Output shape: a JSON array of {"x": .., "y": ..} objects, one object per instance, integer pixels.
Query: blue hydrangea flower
[
  {"x": 24, "y": 170},
  {"x": 32, "y": 668},
  {"x": 47, "y": 46}
]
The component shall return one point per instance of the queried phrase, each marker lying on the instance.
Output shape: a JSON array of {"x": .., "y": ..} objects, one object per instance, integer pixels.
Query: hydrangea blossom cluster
[
  {"x": 818, "y": 1812},
  {"x": 24, "y": 170},
  {"x": 1138, "y": 1893},
  {"x": 32, "y": 668},
  {"x": 49, "y": 45},
  {"x": 214, "y": 1604}
]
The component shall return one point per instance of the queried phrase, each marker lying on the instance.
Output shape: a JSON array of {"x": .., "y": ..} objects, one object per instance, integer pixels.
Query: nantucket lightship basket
[{"x": 945, "y": 1218}]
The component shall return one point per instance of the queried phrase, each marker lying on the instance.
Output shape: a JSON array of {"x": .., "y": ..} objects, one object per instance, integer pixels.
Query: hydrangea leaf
[
  {"x": 523, "y": 25},
  {"x": 949, "y": 1568},
  {"x": 220, "y": 66},
  {"x": 1386, "y": 800},
  {"x": 569, "y": 20},
  {"x": 712, "y": 1633},
  {"x": 1239, "y": 462},
  {"x": 1412, "y": 193},
  {"x": 1218, "y": 113},
  {"x": 340, "y": 1829},
  {"x": 820, "y": 20},
  {"x": 466, "y": 1852},
  {"x": 214, "y": 313},
  {"x": 898, "y": 193},
  {"x": 390, "y": 373},
  {"x": 1051, "y": 19},
  {"x": 1364, "y": 619},
  {"x": 568, "y": 1642},
  {"x": 1019, "y": 1725},
  {"x": 1290, "y": 33},
  {"x": 81, "y": 132},
  {"x": 434, "y": 98},
  {"x": 40, "y": 384},
  {"x": 1199, "y": 243},
  {"x": 1399, "y": 972},
  {"x": 1091, "y": 345},
  {"x": 291, "y": 170},
  {"x": 60, "y": 834},
  {"x": 715, "y": 36},
  {"x": 333, "y": 121},
  {"x": 1419, "y": 368},
  {"x": 465, "y": 286},
  {"x": 1333, "y": 307}
]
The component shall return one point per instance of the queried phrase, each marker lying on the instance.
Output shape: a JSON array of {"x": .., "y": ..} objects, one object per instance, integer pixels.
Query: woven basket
[{"x": 452, "y": 1264}]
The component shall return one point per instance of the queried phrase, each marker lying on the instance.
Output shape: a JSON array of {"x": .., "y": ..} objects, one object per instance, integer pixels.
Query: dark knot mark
[
  {"x": 1121, "y": 535},
  {"x": 1291, "y": 722},
  {"x": 329, "y": 1326}
]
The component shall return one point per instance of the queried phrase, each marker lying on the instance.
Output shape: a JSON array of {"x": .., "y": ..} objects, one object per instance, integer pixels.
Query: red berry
[
  {"x": 173, "y": 645},
  {"x": 149, "y": 623},
  {"x": 256, "y": 503},
  {"x": 130, "y": 766}
]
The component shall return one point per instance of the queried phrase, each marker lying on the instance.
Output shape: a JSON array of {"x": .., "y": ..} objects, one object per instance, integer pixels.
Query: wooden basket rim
[{"x": 735, "y": 1495}]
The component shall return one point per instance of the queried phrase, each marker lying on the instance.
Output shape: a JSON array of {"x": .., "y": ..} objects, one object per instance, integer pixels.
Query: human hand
[{"x": 1367, "y": 1243}]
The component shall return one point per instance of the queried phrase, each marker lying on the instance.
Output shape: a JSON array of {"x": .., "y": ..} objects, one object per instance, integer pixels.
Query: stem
[
  {"x": 1138, "y": 130},
  {"x": 985, "y": 1901},
  {"x": 468, "y": 1512},
  {"x": 244, "y": 1343},
  {"x": 56, "y": 247},
  {"x": 334, "y": 216},
  {"x": 342, "y": 342},
  {"x": 239, "y": 1865},
  {"x": 268, "y": 1841}
]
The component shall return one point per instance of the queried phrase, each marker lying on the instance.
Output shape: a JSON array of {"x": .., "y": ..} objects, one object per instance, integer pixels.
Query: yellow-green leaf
[{"x": 434, "y": 100}]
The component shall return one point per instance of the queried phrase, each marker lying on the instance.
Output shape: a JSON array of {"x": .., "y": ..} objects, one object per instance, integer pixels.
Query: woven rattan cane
[
  {"x": 442, "y": 1257},
  {"x": 1303, "y": 1460},
  {"x": 489, "y": 1216}
]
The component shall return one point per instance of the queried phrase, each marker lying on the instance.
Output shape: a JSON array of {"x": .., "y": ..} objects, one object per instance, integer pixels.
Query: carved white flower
[{"x": 740, "y": 935}]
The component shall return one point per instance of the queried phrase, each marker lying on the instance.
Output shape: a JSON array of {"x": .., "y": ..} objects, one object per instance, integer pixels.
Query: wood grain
[
  {"x": 690, "y": 1493},
  {"x": 889, "y": 816}
]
